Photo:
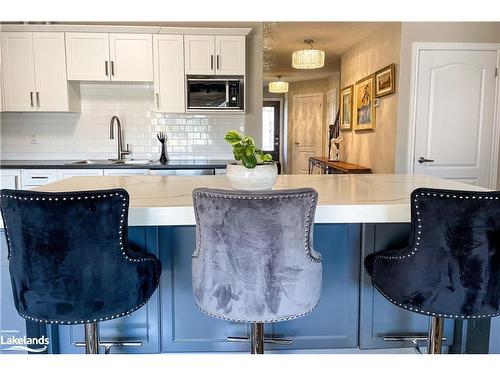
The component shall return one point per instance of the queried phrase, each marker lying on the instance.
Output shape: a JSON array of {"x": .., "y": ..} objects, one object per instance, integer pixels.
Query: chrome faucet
[{"x": 120, "y": 150}]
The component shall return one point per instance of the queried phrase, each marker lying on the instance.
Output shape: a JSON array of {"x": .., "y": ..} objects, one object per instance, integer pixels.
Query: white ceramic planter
[{"x": 262, "y": 177}]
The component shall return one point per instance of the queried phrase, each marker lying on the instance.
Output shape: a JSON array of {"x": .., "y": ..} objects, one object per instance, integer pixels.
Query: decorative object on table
[
  {"x": 346, "y": 108},
  {"x": 384, "y": 81},
  {"x": 254, "y": 169},
  {"x": 454, "y": 242},
  {"x": 162, "y": 137},
  {"x": 364, "y": 111},
  {"x": 309, "y": 58},
  {"x": 335, "y": 139},
  {"x": 278, "y": 86}
]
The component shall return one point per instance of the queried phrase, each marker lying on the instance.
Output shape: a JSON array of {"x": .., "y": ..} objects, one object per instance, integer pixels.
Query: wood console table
[{"x": 335, "y": 167}]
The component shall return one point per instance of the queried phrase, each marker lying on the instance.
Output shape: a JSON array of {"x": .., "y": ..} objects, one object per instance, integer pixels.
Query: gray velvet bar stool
[
  {"x": 254, "y": 261},
  {"x": 70, "y": 261},
  {"x": 451, "y": 266}
]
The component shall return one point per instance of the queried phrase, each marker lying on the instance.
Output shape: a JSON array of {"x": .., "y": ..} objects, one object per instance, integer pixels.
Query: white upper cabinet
[
  {"x": 200, "y": 54},
  {"x": 1, "y": 82},
  {"x": 168, "y": 52},
  {"x": 18, "y": 71},
  {"x": 105, "y": 57},
  {"x": 50, "y": 72},
  {"x": 215, "y": 55},
  {"x": 34, "y": 73},
  {"x": 87, "y": 56},
  {"x": 230, "y": 55},
  {"x": 131, "y": 57}
]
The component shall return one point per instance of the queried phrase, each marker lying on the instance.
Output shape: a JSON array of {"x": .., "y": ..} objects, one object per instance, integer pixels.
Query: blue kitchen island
[{"x": 356, "y": 215}]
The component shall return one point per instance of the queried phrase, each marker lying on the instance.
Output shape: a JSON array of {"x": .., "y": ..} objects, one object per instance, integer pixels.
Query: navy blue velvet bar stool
[
  {"x": 69, "y": 258},
  {"x": 254, "y": 262},
  {"x": 451, "y": 267}
]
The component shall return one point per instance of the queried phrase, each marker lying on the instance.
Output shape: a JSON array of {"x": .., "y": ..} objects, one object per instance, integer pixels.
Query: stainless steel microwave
[{"x": 214, "y": 93}]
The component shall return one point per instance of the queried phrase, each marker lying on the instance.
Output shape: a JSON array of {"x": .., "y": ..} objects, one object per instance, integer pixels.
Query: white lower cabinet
[
  {"x": 67, "y": 173},
  {"x": 10, "y": 179},
  {"x": 126, "y": 172},
  {"x": 36, "y": 177}
]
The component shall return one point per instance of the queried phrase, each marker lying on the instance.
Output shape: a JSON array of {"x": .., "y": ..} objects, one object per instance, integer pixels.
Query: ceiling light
[
  {"x": 308, "y": 58},
  {"x": 278, "y": 86}
]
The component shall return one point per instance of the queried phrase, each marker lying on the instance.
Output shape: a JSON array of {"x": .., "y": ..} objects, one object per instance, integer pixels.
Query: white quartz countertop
[{"x": 374, "y": 198}]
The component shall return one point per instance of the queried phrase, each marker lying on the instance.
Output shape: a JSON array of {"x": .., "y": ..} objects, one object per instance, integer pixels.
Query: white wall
[
  {"x": 411, "y": 32},
  {"x": 85, "y": 135}
]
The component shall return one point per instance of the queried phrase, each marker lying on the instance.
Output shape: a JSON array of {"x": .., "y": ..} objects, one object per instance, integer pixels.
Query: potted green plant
[{"x": 254, "y": 169}]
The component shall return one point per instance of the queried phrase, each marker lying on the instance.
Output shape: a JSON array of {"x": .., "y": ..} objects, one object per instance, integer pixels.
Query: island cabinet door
[
  {"x": 379, "y": 317},
  {"x": 333, "y": 324},
  {"x": 142, "y": 326}
]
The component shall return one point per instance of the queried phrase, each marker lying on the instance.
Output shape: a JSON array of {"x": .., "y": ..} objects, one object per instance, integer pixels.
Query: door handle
[
  {"x": 113, "y": 68},
  {"x": 424, "y": 160},
  {"x": 31, "y": 99},
  {"x": 157, "y": 100},
  {"x": 38, "y": 99},
  {"x": 212, "y": 62},
  {"x": 297, "y": 144},
  {"x": 218, "y": 64},
  {"x": 106, "y": 68}
]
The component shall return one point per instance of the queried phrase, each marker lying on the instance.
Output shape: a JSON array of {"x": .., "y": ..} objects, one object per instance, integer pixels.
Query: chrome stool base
[
  {"x": 92, "y": 342},
  {"x": 257, "y": 339}
]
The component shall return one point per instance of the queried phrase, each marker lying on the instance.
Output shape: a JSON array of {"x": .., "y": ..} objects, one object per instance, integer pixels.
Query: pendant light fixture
[
  {"x": 278, "y": 86},
  {"x": 308, "y": 58}
]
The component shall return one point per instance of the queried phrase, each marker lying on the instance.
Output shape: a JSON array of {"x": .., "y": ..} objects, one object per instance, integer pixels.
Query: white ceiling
[{"x": 280, "y": 39}]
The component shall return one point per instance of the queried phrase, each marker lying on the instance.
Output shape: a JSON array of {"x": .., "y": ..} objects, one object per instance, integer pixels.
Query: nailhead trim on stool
[
  {"x": 415, "y": 249},
  {"x": 124, "y": 253}
]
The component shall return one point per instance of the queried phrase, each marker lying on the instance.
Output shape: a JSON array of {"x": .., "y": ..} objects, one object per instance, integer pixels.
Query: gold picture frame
[
  {"x": 384, "y": 81},
  {"x": 364, "y": 109},
  {"x": 346, "y": 108}
]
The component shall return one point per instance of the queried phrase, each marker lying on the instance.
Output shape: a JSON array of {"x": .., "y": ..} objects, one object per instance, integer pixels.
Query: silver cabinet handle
[
  {"x": 106, "y": 68},
  {"x": 31, "y": 99},
  {"x": 157, "y": 100},
  {"x": 424, "y": 160},
  {"x": 113, "y": 68},
  {"x": 38, "y": 99},
  {"x": 218, "y": 58},
  {"x": 212, "y": 62}
]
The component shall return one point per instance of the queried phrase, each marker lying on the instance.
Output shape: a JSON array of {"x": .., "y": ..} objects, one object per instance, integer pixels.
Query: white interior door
[
  {"x": 18, "y": 71},
  {"x": 50, "y": 71},
  {"x": 307, "y": 122},
  {"x": 131, "y": 57},
  {"x": 331, "y": 113},
  {"x": 454, "y": 114},
  {"x": 169, "y": 80}
]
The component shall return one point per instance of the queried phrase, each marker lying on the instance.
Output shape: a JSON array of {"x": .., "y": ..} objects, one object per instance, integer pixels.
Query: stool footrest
[
  {"x": 109, "y": 344},
  {"x": 269, "y": 340},
  {"x": 410, "y": 338}
]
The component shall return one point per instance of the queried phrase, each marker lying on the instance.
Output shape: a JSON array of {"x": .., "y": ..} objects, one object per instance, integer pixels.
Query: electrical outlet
[{"x": 34, "y": 139}]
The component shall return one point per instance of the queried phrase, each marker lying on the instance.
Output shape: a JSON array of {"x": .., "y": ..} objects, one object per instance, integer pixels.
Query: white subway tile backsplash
[{"x": 85, "y": 135}]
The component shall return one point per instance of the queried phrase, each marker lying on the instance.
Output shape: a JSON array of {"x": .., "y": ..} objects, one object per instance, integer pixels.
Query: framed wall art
[
  {"x": 364, "y": 111},
  {"x": 346, "y": 108},
  {"x": 384, "y": 81}
]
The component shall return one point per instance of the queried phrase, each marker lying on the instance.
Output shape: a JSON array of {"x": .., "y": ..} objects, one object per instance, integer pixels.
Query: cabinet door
[
  {"x": 67, "y": 173},
  {"x": 200, "y": 54},
  {"x": 169, "y": 80},
  {"x": 230, "y": 55},
  {"x": 50, "y": 72},
  {"x": 37, "y": 177},
  {"x": 131, "y": 57},
  {"x": 1, "y": 82},
  {"x": 10, "y": 179},
  {"x": 87, "y": 56},
  {"x": 18, "y": 71}
]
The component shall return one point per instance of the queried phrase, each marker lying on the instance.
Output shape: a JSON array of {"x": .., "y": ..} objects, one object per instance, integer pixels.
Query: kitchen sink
[
  {"x": 91, "y": 162},
  {"x": 131, "y": 162}
]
